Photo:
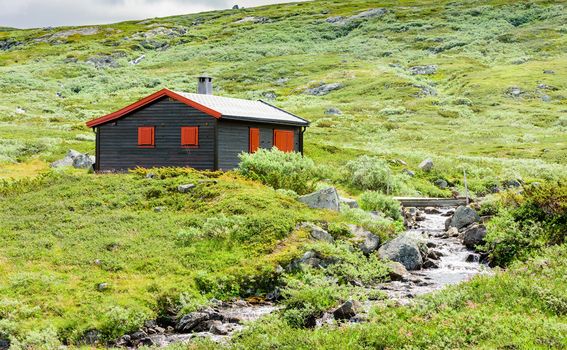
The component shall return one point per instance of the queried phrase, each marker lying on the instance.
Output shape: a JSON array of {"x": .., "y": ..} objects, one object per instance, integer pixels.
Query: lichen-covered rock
[
  {"x": 474, "y": 236},
  {"x": 426, "y": 165},
  {"x": 404, "y": 249},
  {"x": 464, "y": 216},
  {"x": 317, "y": 233},
  {"x": 423, "y": 70},
  {"x": 324, "y": 89},
  {"x": 323, "y": 199},
  {"x": 367, "y": 241},
  {"x": 351, "y": 203}
]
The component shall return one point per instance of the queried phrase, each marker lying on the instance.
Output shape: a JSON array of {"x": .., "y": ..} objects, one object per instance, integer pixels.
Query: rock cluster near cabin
[{"x": 75, "y": 159}]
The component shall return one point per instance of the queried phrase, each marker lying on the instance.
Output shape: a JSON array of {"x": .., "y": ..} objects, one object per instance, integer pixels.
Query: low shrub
[
  {"x": 376, "y": 201},
  {"x": 370, "y": 173},
  {"x": 281, "y": 170}
]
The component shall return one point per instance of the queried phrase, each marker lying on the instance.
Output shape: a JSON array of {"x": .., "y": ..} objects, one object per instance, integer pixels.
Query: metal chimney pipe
[{"x": 205, "y": 85}]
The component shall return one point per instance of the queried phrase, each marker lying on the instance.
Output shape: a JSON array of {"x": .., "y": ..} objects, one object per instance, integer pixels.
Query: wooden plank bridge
[{"x": 431, "y": 202}]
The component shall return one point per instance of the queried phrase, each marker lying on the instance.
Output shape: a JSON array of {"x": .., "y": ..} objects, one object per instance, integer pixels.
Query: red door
[
  {"x": 254, "y": 139},
  {"x": 284, "y": 140}
]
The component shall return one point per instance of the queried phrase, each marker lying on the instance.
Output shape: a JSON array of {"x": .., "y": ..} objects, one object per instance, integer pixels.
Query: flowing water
[{"x": 456, "y": 264}]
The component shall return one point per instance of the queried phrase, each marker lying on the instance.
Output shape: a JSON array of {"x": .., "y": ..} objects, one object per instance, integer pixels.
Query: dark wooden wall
[
  {"x": 118, "y": 142},
  {"x": 233, "y": 139}
]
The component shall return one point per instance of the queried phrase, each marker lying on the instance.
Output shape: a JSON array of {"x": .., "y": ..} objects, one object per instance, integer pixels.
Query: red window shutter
[
  {"x": 146, "y": 136},
  {"x": 190, "y": 136},
  {"x": 254, "y": 139},
  {"x": 284, "y": 140}
]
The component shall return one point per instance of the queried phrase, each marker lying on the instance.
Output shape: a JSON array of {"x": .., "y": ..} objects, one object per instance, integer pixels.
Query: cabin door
[{"x": 284, "y": 140}]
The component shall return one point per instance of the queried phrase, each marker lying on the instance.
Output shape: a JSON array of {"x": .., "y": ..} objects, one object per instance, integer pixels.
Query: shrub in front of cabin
[{"x": 281, "y": 170}]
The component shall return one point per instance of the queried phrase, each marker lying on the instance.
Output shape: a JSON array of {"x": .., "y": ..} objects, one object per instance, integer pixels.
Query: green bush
[
  {"x": 376, "y": 201},
  {"x": 369, "y": 173},
  {"x": 281, "y": 170}
]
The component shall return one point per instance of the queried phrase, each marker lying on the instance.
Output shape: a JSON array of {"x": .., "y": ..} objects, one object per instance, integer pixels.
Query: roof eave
[{"x": 264, "y": 120}]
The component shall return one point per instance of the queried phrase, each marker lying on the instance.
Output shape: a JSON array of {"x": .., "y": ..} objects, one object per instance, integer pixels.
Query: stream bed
[{"x": 455, "y": 264}]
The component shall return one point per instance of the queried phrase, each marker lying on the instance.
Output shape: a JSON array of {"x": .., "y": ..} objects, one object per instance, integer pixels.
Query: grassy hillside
[
  {"x": 80, "y": 251},
  {"x": 495, "y": 105}
]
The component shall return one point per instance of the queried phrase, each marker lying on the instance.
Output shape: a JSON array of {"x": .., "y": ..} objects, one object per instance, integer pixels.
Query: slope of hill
[
  {"x": 493, "y": 96},
  {"x": 476, "y": 87}
]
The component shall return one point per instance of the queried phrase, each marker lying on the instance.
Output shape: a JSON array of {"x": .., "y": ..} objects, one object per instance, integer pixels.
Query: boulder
[
  {"x": 218, "y": 328},
  {"x": 367, "y": 241},
  {"x": 514, "y": 91},
  {"x": 103, "y": 61},
  {"x": 464, "y": 216},
  {"x": 324, "y": 89},
  {"x": 323, "y": 199},
  {"x": 408, "y": 172},
  {"x": 185, "y": 188},
  {"x": 426, "y": 165},
  {"x": 452, "y": 232},
  {"x": 75, "y": 159},
  {"x": 333, "y": 111},
  {"x": 474, "y": 236},
  {"x": 397, "y": 271},
  {"x": 442, "y": 184},
  {"x": 317, "y": 233},
  {"x": 423, "y": 70},
  {"x": 351, "y": 203},
  {"x": 190, "y": 321},
  {"x": 430, "y": 264},
  {"x": 346, "y": 311},
  {"x": 432, "y": 210},
  {"x": 403, "y": 249},
  {"x": 102, "y": 286}
]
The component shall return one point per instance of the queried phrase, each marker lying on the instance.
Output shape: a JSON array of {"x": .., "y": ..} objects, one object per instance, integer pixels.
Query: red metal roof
[{"x": 147, "y": 100}]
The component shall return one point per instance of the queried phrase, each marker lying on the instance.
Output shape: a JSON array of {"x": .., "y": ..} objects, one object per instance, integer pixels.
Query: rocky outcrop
[
  {"x": 323, "y": 199},
  {"x": 347, "y": 310},
  {"x": 316, "y": 232},
  {"x": 75, "y": 159},
  {"x": 362, "y": 16},
  {"x": 324, "y": 89},
  {"x": 474, "y": 236},
  {"x": 423, "y": 70},
  {"x": 404, "y": 249},
  {"x": 426, "y": 165},
  {"x": 366, "y": 241},
  {"x": 185, "y": 188},
  {"x": 464, "y": 216},
  {"x": 103, "y": 61}
]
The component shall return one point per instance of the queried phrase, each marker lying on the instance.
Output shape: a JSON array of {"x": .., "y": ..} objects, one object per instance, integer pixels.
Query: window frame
[
  {"x": 196, "y": 145},
  {"x": 153, "y": 136}
]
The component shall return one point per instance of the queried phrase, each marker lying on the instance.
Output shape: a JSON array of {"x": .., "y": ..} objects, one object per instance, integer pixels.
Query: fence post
[{"x": 466, "y": 187}]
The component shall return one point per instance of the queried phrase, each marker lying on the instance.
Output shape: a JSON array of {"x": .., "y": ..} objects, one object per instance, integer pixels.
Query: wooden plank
[{"x": 431, "y": 202}]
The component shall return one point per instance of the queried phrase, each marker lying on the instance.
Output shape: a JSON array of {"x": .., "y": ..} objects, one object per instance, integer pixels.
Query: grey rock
[
  {"x": 397, "y": 271},
  {"x": 8, "y": 44},
  {"x": 514, "y": 91},
  {"x": 335, "y": 19},
  {"x": 151, "y": 44},
  {"x": 102, "y": 286},
  {"x": 474, "y": 236},
  {"x": 218, "y": 328},
  {"x": 236, "y": 7},
  {"x": 372, "y": 13},
  {"x": 70, "y": 60},
  {"x": 403, "y": 249},
  {"x": 333, "y": 111},
  {"x": 83, "y": 161},
  {"x": 104, "y": 61},
  {"x": 434, "y": 254},
  {"x": 430, "y": 264},
  {"x": 408, "y": 172},
  {"x": 366, "y": 240},
  {"x": 270, "y": 95},
  {"x": 452, "y": 232},
  {"x": 548, "y": 71},
  {"x": 546, "y": 98},
  {"x": 255, "y": 20},
  {"x": 423, "y": 70},
  {"x": 191, "y": 321},
  {"x": 442, "y": 184},
  {"x": 324, "y": 89},
  {"x": 346, "y": 311},
  {"x": 185, "y": 188},
  {"x": 432, "y": 210},
  {"x": 317, "y": 233},
  {"x": 513, "y": 183},
  {"x": 547, "y": 87},
  {"x": 351, "y": 203},
  {"x": 425, "y": 90},
  {"x": 426, "y": 165},
  {"x": 90, "y": 337},
  {"x": 464, "y": 216},
  {"x": 472, "y": 258},
  {"x": 324, "y": 199}
]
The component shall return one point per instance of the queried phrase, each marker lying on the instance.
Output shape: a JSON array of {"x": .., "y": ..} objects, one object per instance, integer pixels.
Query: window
[
  {"x": 284, "y": 140},
  {"x": 190, "y": 136},
  {"x": 254, "y": 139},
  {"x": 146, "y": 137}
]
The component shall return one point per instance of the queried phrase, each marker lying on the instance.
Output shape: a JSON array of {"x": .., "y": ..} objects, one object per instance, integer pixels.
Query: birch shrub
[{"x": 281, "y": 170}]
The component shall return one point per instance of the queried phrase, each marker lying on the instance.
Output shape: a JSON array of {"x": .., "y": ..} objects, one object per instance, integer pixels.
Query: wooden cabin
[{"x": 197, "y": 130}]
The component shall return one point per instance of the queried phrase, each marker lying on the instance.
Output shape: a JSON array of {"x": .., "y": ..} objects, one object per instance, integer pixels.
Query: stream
[{"x": 456, "y": 263}]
